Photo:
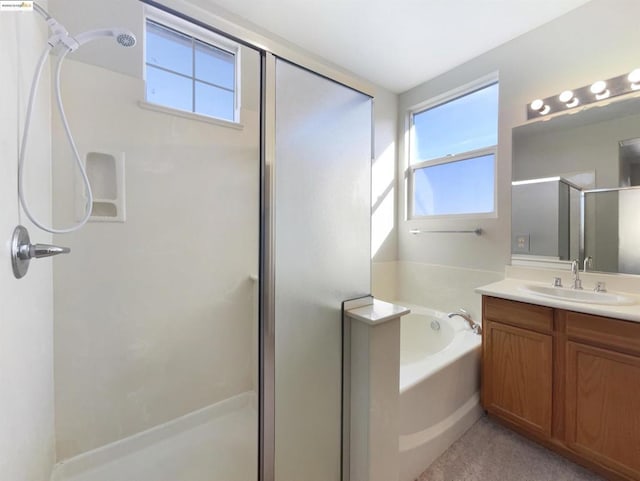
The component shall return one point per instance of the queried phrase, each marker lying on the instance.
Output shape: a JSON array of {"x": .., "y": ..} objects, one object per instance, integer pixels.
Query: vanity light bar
[{"x": 599, "y": 90}]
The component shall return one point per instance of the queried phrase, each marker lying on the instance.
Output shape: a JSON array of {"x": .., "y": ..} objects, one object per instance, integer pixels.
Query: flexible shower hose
[{"x": 65, "y": 123}]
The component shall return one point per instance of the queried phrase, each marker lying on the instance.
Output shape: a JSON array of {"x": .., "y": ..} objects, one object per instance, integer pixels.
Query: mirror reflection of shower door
[
  {"x": 155, "y": 337},
  {"x": 322, "y": 257}
]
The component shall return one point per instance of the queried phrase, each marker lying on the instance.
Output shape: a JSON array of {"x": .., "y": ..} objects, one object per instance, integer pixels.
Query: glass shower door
[{"x": 322, "y": 185}]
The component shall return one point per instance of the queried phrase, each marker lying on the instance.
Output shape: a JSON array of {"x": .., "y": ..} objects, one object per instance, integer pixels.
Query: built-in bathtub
[{"x": 439, "y": 386}]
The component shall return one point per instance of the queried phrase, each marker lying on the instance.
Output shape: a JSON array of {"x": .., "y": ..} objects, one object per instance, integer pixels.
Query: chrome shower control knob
[{"x": 22, "y": 251}]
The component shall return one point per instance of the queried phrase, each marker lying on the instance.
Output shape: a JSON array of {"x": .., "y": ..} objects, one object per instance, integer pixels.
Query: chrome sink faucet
[
  {"x": 477, "y": 328},
  {"x": 575, "y": 270}
]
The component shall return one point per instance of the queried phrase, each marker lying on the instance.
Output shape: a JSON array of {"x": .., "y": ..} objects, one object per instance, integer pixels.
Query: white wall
[
  {"x": 155, "y": 316},
  {"x": 384, "y": 196},
  {"x": 598, "y": 40},
  {"x": 384, "y": 192},
  {"x": 26, "y": 306}
]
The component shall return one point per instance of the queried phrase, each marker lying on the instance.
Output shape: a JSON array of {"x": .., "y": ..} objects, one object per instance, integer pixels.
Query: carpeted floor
[{"x": 490, "y": 452}]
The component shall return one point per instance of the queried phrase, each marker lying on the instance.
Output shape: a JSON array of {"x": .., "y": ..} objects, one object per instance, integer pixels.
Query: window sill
[{"x": 189, "y": 115}]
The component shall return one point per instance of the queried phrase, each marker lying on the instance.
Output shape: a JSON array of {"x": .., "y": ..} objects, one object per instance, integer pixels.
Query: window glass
[
  {"x": 169, "y": 49},
  {"x": 169, "y": 89},
  {"x": 460, "y": 187},
  {"x": 215, "y": 66},
  {"x": 452, "y": 155},
  {"x": 186, "y": 73},
  {"x": 461, "y": 125},
  {"x": 214, "y": 101}
]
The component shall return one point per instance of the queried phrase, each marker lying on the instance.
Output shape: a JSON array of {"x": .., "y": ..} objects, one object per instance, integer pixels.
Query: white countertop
[
  {"x": 378, "y": 312},
  {"x": 513, "y": 289}
]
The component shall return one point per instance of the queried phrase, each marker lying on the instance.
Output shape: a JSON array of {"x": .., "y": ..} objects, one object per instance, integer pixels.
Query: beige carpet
[{"x": 490, "y": 452}]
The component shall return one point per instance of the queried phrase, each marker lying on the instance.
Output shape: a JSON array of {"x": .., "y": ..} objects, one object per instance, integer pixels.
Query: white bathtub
[{"x": 439, "y": 386}]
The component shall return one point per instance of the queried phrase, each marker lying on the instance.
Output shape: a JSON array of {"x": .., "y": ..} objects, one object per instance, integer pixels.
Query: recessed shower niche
[{"x": 106, "y": 176}]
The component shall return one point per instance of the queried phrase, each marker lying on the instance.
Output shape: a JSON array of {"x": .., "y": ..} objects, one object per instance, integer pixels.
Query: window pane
[
  {"x": 462, "y": 187},
  {"x": 169, "y": 89},
  {"x": 461, "y": 125},
  {"x": 214, "y": 101},
  {"x": 169, "y": 49},
  {"x": 214, "y": 65}
]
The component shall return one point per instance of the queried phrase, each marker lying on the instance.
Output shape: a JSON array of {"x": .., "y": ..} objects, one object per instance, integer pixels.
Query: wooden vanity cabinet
[
  {"x": 518, "y": 353},
  {"x": 602, "y": 400},
  {"x": 568, "y": 380}
]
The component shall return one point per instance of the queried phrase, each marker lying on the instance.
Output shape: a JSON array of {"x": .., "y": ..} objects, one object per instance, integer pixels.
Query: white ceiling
[{"x": 398, "y": 44}]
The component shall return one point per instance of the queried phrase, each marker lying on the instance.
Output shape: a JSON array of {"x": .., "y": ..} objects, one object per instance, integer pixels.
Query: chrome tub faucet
[{"x": 477, "y": 328}]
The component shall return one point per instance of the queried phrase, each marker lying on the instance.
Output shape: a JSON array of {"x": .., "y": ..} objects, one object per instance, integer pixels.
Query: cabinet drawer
[
  {"x": 520, "y": 314},
  {"x": 603, "y": 331}
]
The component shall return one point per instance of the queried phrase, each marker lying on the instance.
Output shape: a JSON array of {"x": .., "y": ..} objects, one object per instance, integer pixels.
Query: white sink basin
[{"x": 582, "y": 296}]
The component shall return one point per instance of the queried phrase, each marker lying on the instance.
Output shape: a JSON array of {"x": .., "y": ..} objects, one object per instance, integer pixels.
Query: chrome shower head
[
  {"x": 126, "y": 39},
  {"x": 123, "y": 37}
]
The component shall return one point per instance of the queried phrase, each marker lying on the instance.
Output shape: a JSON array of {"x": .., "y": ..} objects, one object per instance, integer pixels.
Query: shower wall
[
  {"x": 154, "y": 317},
  {"x": 26, "y": 305}
]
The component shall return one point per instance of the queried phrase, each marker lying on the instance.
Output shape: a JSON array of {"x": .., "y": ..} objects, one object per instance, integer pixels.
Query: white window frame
[
  {"x": 182, "y": 26},
  {"x": 456, "y": 93}
]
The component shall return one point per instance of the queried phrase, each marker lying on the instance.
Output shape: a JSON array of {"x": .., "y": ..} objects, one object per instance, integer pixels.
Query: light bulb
[
  {"x": 537, "y": 105},
  {"x": 566, "y": 96},
  {"x": 598, "y": 87},
  {"x": 634, "y": 77}
]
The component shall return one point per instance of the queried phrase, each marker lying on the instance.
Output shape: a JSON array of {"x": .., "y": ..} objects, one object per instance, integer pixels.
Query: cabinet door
[
  {"x": 603, "y": 406},
  {"x": 517, "y": 376}
]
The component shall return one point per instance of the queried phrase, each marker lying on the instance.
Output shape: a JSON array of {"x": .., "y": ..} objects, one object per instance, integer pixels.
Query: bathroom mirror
[
  {"x": 592, "y": 155},
  {"x": 611, "y": 229}
]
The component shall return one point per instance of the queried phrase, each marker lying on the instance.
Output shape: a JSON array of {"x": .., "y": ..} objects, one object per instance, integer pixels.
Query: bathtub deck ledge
[{"x": 378, "y": 313}]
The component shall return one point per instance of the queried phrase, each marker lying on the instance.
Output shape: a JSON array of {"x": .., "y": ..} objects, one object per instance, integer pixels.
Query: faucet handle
[
  {"x": 600, "y": 287},
  {"x": 557, "y": 282}
]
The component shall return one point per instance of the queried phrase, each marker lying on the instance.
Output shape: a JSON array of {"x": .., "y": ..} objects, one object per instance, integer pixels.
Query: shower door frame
[
  {"x": 269, "y": 51},
  {"x": 267, "y": 292}
]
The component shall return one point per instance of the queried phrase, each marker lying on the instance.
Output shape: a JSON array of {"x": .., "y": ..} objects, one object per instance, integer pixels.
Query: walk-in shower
[
  {"x": 61, "y": 43},
  {"x": 197, "y": 337}
]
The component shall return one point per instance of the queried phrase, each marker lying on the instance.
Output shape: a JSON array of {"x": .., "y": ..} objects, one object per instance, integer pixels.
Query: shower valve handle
[
  {"x": 44, "y": 250},
  {"x": 22, "y": 251},
  {"x": 37, "y": 251}
]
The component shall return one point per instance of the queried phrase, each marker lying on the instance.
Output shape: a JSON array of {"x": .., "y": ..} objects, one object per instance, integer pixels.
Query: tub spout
[{"x": 477, "y": 328}]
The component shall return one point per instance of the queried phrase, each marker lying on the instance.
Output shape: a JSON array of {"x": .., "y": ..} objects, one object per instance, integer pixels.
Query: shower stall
[
  {"x": 156, "y": 307},
  {"x": 196, "y": 324}
]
